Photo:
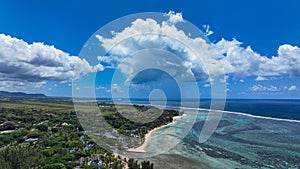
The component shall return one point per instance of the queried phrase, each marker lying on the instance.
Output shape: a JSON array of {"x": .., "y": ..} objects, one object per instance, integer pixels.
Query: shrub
[
  {"x": 9, "y": 125},
  {"x": 42, "y": 127}
]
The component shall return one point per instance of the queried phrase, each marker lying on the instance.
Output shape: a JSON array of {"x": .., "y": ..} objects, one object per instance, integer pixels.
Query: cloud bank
[
  {"x": 206, "y": 59},
  {"x": 193, "y": 54},
  {"x": 30, "y": 65},
  {"x": 243, "y": 62}
]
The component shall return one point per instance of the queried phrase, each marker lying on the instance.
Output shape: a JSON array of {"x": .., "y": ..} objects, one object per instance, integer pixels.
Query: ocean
[
  {"x": 250, "y": 134},
  {"x": 274, "y": 108}
]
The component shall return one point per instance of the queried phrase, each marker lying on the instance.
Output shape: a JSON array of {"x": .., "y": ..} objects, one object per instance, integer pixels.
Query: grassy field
[{"x": 27, "y": 105}]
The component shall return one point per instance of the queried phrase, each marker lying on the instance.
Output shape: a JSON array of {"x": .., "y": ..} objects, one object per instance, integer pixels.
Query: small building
[{"x": 34, "y": 140}]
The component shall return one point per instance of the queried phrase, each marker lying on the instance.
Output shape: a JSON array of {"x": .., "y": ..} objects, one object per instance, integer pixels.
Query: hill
[{"x": 4, "y": 94}]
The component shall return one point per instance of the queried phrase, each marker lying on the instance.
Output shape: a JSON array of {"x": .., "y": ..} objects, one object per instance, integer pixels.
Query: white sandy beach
[{"x": 142, "y": 148}]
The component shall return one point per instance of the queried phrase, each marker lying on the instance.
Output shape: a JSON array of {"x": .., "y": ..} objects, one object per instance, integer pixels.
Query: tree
[
  {"x": 21, "y": 157},
  {"x": 147, "y": 165},
  {"x": 132, "y": 164},
  {"x": 9, "y": 125},
  {"x": 42, "y": 127}
]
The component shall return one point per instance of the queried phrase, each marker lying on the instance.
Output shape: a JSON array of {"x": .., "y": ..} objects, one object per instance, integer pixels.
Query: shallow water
[
  {"x": 240, "y": 141},
  {"x": 268, "y": 136}
]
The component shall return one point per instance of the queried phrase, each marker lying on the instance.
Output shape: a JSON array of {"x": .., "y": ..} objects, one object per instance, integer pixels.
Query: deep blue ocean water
[
  {"x": 275, "y": 108},
  {"x": 285, "y": 109}
]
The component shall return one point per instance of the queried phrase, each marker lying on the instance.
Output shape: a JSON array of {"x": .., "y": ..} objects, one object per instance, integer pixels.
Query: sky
[{"x": 257, "y": 43}]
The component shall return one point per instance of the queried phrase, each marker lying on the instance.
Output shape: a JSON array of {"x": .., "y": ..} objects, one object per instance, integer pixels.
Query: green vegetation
[
  {"x": 48, "y": 135},
  {"x": 127, "y": 127},
  {"x": 21, "y": 157},
  {"x": 133, "y": 164}
]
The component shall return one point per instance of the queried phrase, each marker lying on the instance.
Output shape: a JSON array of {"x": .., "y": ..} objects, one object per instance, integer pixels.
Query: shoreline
[
  {"x": 142, "y": 148},
  {"x": 231, "y": 112}
]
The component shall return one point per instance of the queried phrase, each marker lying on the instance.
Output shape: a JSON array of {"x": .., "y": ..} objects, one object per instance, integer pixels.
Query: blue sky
[{"x": 68, "y": 25}]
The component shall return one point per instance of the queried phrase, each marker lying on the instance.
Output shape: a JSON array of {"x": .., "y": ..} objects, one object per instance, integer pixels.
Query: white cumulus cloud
[
  {"x": 206, "y": 85},
  {"x": 30, "y": 65},
  {"x": 292, "y": 88},
  {"x": 103, "y": 88},
  {"x": 204, "y": 59},
  {"x": 196, "y": 57},
  {"x": 115, "y": 87},
  {"x": 208, "y": 32},
  {"x": 242, "y": 61},
  {"x": 261, "y": 78},
  {"x": 175, "y": 17},
  {"x": 261, "y": 88}
]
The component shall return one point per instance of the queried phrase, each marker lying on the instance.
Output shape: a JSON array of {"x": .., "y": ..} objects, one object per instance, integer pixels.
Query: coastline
[
  {"x": 142, "y": 148},
  {"x": 242, "y": 113}
]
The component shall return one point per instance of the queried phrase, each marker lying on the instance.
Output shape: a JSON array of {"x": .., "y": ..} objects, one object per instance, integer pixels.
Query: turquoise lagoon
[{"x": 240, "y": 141}]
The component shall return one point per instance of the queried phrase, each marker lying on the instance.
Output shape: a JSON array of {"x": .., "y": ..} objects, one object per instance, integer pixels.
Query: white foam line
[
  {"x": 262, "y": 117},
  {"x": 245, "y": 114}
]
